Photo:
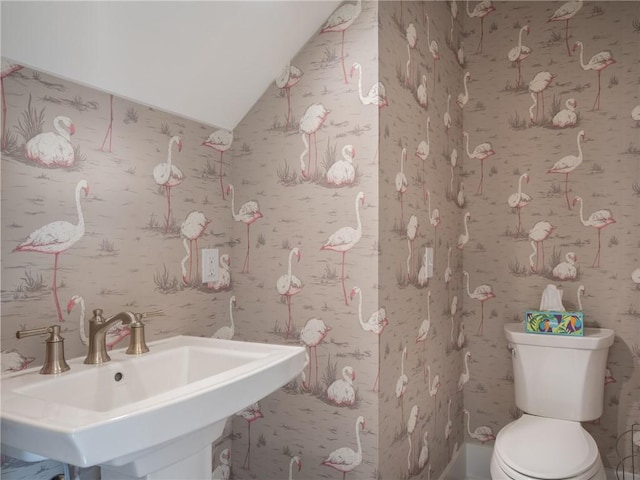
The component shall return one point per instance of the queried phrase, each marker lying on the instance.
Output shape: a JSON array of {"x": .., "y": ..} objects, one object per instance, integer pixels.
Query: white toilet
[{"x": 559, "y": 382}]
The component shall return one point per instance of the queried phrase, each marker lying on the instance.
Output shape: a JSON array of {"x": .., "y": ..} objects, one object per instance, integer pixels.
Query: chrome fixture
[{"x": 54, "y": 361}]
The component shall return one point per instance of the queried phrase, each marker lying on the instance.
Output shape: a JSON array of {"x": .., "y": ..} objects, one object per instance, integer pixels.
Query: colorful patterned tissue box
[{"x": 554, "y": 323}]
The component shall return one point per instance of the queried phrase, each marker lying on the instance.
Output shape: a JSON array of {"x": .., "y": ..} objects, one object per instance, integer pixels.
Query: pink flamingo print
[
  {"x": 51, "y": 149},
  {"x": 191, "y": 229},
  {"x": 401, "y": 384},
  {"x": 433, "y": 386},
  {"x": 249, "y": 213},
  {"x": 223, "y": 471},
  {"x": 227, "y": 332},
  {"x": 377, "y": 94},
  {"x": 288, "y": 78},
  {"x": 537, "y": 86},
  {"x": 463, "y": 98},
  {"x": 538, "y": 234},
  {"x": 448, "y": 273},
  {"x": 311, "y": 336},
  {"x": 518, "y": 53},
  {"x": 342, "y": 172},
  {"x": 375, "y": 324},
  {"x": 481, "y": 10},
  {"x": 566, "y": 117},
  {"x": 483, "y": 433},
  {"x": 412, "y": 423},
  {"x": 566, "y": 270},
  {"x": 481, "y": 152},
  {"x": 345, "y": 239},
  {"x": 114, "y": 335},
  {"x": 341, "y": 391},
  {"x": 13, "y": 361},
  {"x": 346, "y": 459},
  {"x": 294, "y": 461},
  {"x": 313, "y": 118},
  {"x": 110, "y": 128},
  {"x": 7, "y": 69},
  {"x": 412, "y": 233},
  {"x": 421, "y": 93},
  {"x": 598, "y": 220},
  {"x": 412, "y": 42},
  {"x": 289, "y": 285},
  {"x": 447, "y": 120},
  {"x": 424, "y": 454},
  {"x": 423, "y": 278},
  {"x": 598, "y": 62},
  {"x": 482, "y": 293},
  {"x": 422, "y": 152},
  {"x": 434, "y": 50},
  {"x": 463, "y": 239},
  {"x": 519, "y": 200},
  {"x": 466, "y": 375},
  {"x": 425, "y": 326},
  {"x": 434, "y": 220},
  {"x": 565, "y": 13},
  {"x": 402, "y": 184},
  {"x": 341, "y": 19},
  {"x": 220, "y": 141},
  {"x": 168, "y": 176},
  {"x": 250, "y": 414},
  {"x": 56, "y": 238},
  {"x": 568, "y": 164}
]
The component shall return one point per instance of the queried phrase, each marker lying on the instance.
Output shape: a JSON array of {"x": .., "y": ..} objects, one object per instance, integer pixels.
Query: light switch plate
[{"x": 209, "y": 265}]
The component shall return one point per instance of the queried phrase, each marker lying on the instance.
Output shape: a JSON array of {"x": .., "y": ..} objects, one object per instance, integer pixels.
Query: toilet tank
[{"x": 559, "y": 376}]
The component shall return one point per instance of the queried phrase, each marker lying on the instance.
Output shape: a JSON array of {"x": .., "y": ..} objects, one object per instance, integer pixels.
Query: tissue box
[{"x": 554, "y": 323}]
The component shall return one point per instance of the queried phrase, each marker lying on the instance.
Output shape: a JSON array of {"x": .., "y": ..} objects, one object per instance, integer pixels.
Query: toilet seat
[{"x": 546, "y": 448}]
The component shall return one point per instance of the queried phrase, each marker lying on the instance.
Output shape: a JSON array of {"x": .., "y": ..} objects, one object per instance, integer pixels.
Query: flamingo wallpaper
[{"x": 360, "y": 166}]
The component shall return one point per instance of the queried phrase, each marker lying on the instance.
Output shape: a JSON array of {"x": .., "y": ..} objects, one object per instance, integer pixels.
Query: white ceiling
[{"x": 209, "y": 61}]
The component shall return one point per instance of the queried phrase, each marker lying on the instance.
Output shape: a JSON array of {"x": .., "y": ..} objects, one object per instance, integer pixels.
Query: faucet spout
[{"x": 98, "y": 327}]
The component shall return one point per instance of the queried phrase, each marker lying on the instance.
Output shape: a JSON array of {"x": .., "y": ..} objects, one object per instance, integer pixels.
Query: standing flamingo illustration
[
  {"x": 565, "y": 13},
  {"x": 224, "y": 274},
  {"x": 568, "y": 164},
  {"x": 463, "y": 239},
  {"x": 460, "y": 198},
  {"x": 377, "y": 94},
  {"x": 220, "y": 141},
  {"x": 460, "y": 54},
  {"x": 342, "y": 172},
  {"x": 425, "y": 326},
  {"x": 461, "y": 337},
  {"x": 168, "y": 176},
  {"x": 341, "y": 19},
  {"x": 518, "y": 53},
  {"x": 191, "y": 229},
  {"x": 341, "y": 392},
  {"x": 227, "y": 332},
  {"x": 538, "y": 234},
  {"x": 402, "y": 184},
  {"x": 519, "y": 200},
  {"x": 412, "y": 232},
  {"x": 53, "y": 149},
  {"x": 313, "y": 118},
  {"x": 434, "y": 50},
  {"x": 401, "y": 384},
  {"x": 115, "y": 333},
  {"x": 222, "y": 471},
  {"x": 481, "y": 10},
  {"x": 448, "y": 428},
  {"x": 482, "y": 293},
  {"x": 314, "y": 331},
  {"x": 345, "y": 239},
  {"x": 249, "y": 212},
  {"x": 446, "y": 119},
  {"x": 346, "y": 459},
  {"x": 56, "y": 238},
  {"x": 464, "y": 376},
  {"x": 250, "y": 414},
  {"x": 448, "y": 272},
  {"x": 537, "y": 86},
  {"x": 453, "y": 158},
  {"x": 289, "y": 285},
  {"x": 6, "y": 70},
  {"x": 412, "y": 42},
  {"x": 288, "y": 78},
  {"x": 566, "y": 270},
  {"x": 463, "y": 98},
  {"x": 483, "y": 433},
  {"x": 375, "y": 324},
  {"x": 566, "y": 117},
  {"x": 598, "y": 62},
  {"x": 424, "y": 453},
  {"x": 481, "y": 152},
  {"x": 109, "y": 132},
  {"x": 423, "y": 278},
  {"x": 598, "y": 220},
  {"x": 453, "y": 310},
  {"x": 13, "y": 361},
  {"x": 422, "y": 152},
  {"x": 421, "y": 93},
  {"x": 412, "y": 423},
  {"x": 294, "y": 461},
  {"x": 433, "y": 387},
  {"x": 434, "y": 220}
]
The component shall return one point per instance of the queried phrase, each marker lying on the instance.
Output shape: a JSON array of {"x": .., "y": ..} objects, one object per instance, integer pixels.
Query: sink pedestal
[{"x": 186, "y": 458}]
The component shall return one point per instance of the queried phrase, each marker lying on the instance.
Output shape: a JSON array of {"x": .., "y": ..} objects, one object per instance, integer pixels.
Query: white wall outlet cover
[{"x": 209, "y": 265}]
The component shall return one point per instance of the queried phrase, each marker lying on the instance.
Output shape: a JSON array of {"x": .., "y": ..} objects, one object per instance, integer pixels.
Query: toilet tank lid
[{"x": 593, "y": 339}]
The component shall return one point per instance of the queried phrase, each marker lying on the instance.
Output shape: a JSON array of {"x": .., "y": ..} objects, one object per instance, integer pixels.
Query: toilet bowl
[{"x": 536, "y": 448}]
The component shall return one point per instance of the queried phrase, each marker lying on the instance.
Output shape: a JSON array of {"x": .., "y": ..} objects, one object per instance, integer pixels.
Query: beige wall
[{"x": 119, "y": 260}]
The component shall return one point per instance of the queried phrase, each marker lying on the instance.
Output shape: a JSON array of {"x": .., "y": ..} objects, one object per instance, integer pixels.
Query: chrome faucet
[{"x": 98, "y": 327}]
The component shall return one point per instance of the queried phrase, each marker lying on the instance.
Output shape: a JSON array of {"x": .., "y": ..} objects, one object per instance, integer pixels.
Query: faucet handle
[
  {"x": 153, "y": 313},
  {"x": 54, "y": 361}
]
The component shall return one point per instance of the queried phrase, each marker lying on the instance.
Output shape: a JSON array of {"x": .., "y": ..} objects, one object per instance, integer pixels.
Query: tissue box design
[{"x": 554, "y": 323}]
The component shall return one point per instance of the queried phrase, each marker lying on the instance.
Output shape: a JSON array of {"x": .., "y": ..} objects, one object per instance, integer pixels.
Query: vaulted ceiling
[{"x": 209, "y": 61}]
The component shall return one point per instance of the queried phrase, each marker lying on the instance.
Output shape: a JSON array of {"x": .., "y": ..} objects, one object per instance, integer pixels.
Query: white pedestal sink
[{"x": 152, "y": 416}]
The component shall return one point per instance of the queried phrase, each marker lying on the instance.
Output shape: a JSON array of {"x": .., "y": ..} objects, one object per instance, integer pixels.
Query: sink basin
[{"x": 134, "y": 406}]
